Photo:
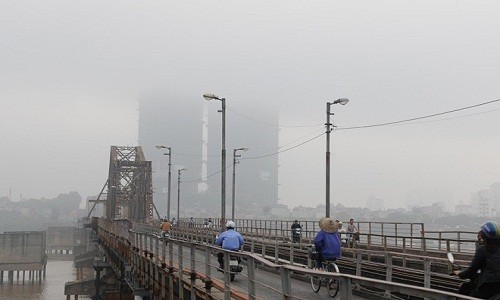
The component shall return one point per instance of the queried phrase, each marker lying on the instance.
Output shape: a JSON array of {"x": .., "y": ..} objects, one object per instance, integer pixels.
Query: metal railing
[
  {"x": 372, "y": 235},
  {"x": 187, "y": 259}
]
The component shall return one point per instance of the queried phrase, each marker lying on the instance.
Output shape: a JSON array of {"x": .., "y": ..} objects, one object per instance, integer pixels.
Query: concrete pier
[
  {"x": 20, "y": 252},
  {"x": 60, "y": 240}
]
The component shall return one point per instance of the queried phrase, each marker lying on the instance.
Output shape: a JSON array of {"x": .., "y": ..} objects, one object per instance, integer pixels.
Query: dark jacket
[
  {"x": 486, "y": 261},
  {"x": 328, "y": 244}
]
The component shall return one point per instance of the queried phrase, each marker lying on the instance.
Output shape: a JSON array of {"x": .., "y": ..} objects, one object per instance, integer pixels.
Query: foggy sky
[{"x": 72, "y": 71}]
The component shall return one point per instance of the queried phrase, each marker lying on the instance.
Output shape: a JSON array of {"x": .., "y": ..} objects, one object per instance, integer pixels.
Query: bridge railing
[
  {"x": 371, "y": 234},
  {"x": 282, "y": 228},
  {"x": 191, "y": 261}
]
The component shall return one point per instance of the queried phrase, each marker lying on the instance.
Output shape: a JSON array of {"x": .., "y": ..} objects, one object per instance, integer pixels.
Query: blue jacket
[
  {"x": 230, "y": 240},
  {"x": 328, "y": 244}
]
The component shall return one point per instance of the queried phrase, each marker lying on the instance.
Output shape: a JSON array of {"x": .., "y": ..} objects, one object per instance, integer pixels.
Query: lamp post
[
  {"x": 341, "y": 101},
  {"x": 234, "y": 177},
  {"x": 209, "y": 97},
  {"x": 169, "y": 175},
  {"x": 179, "y": 193}
]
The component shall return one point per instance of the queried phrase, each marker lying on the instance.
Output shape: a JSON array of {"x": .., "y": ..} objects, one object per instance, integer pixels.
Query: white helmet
[{"x": 230, "y": 224}]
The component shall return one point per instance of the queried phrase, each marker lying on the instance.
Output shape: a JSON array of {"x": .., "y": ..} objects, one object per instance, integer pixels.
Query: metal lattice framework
[{"x": 130, "y": 189}]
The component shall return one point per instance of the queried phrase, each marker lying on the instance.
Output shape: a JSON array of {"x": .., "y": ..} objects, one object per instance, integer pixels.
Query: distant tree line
[{"x": 37, "y": 214}]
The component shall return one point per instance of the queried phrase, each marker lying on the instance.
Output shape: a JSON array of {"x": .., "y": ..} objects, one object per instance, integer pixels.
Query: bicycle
[{"x": 331, "y": 284}]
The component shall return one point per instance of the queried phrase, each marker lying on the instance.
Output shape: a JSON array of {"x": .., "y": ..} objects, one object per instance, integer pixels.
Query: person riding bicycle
[
  {"x": 486, "y": 259},
  {"x": 229, "y": 240},
  {"x": 327, "y": 241}
]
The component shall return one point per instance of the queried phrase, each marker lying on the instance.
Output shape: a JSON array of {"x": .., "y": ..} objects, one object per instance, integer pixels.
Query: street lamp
[
  {"x": 234, "y": 177},
  {"x": 209, "y": 97},
  {"x": 179, "y": 192},
  {"x": 341, "y": 101},
  {"x": 169, "y": 175}
]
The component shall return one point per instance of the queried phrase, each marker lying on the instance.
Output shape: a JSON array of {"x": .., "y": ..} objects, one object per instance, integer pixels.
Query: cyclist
[
  {"x": 327, "y": 241},
  {"x": 229, "y": 240},
  {"x": 486, "y": 259}
]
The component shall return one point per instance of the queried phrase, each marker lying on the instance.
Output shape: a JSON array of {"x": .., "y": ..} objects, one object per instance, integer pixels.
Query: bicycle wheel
[
  {"x": 332, "y": 287},
  {"x": 315, "y": 280}
]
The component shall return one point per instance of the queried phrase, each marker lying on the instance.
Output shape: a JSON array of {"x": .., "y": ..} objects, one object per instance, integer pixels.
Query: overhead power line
[
  {"x": 270, "y": 124},
  {"x": 358, "y": 127},
  {"x": 419, "y": 118}
]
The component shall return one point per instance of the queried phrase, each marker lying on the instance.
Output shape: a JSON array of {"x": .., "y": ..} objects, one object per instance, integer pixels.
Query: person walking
[{"x": 352, "y": 233}]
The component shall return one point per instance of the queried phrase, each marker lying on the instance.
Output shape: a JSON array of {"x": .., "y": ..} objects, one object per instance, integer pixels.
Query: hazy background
[{"x": 71, "y": 73}]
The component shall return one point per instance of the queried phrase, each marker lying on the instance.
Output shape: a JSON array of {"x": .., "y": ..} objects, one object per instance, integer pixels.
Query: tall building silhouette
[{"x": 192, "y": 127}]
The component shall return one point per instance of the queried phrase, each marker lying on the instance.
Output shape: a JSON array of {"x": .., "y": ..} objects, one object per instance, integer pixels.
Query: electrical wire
[
  {"x": 271, "y": 154},
  {"x": 400, "y": 122},
  {"x": 269, "y": 124},
  {"x": 420, "y": 118}
]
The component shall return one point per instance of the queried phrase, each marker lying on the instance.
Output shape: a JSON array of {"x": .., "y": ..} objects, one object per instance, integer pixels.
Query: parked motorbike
[{"x": 296, "y": 234}]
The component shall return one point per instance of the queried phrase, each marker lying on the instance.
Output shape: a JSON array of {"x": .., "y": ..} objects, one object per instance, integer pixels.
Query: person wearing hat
[
  {"x": 327, "y": 241},
  {"x": 486, "y": 259}
]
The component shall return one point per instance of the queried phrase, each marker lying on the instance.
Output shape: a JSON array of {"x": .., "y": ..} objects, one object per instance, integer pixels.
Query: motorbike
[
  {"x": 296, "y": 234},
  {"x": 467, "y": 286},
  {"x": 165, "y": 235},
  {"x": 235, "y": 267}
]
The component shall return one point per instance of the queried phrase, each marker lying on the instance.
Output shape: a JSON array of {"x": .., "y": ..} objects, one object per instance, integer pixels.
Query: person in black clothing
[
  {"x": 296, "y": 231},
  {"x": 487, "y": 259}
]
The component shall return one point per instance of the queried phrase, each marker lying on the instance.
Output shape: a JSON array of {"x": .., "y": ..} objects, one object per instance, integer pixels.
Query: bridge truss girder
[{"x": 130, "y": 189}]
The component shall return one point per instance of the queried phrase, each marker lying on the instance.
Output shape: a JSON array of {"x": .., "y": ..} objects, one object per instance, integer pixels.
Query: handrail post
[
  {"x": 345, "y": 288},
  {"x": 359, "y": 262},
  {"x": 251, "y": 278},
  {"x": 193, "y": 271},
  {"x": 440, "y": 237},
  {"x": 427, "y": 273},
  {"x": 276, "y": 253},
  {"x": 208, "y": 284},
  {"x": 286, "y": 285},
  {"x": 396, "y": 234},
  {"x": 227, "y": 288},
  {"x": 179, "y": 276},
  {"x": 388, "y": 275},
  {"x": 171, "y": 270}
]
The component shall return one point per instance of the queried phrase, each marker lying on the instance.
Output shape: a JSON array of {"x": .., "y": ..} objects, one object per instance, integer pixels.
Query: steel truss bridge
[{"x": 390, "y": 261}]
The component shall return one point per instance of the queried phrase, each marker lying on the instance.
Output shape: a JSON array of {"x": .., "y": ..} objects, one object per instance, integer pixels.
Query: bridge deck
[{"x": 274, "y": 268}]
